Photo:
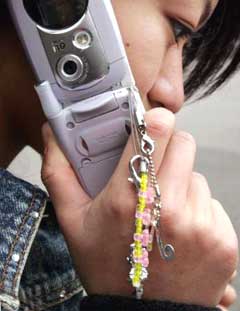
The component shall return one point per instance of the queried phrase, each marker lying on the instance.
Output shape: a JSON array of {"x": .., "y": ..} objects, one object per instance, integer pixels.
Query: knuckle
[
  {"x": 47, "y": 174},
  {"x": 51, "y": 174},
  {"x": 121, "y": 206},
  {"x": 222, "y": 248},
  {"x": 200, "y": 236},
  {"x": 185, "y": 138},
  {"x": 199, "y": 178},
  {"x": 229, "y": 255},
  {"x": 169, "y": 221},
  {"x": 198, "y": 182},
  {"x": 216, "y": 203},
  {"x": 227, "y": 244}
]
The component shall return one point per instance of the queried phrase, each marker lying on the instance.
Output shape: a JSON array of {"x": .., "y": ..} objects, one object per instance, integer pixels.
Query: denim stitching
[
  {"x": 4, "y": 273},
  {"x": 26, "y": 244}
]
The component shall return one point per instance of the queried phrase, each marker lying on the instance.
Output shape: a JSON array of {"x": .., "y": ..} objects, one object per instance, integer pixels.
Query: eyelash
[{"x": 181, "y": 31}]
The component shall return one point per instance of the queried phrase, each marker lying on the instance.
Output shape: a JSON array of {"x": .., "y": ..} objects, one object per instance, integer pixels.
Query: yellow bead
[
  {"x": 139, "y": 222},
  {"x": 140, "y": 208},
  {"x": 138, "y": 254},
  {"x": 138, "y": 244},
  {"x": 136, "y": 282},
  {"x": 138, "y": 275}
]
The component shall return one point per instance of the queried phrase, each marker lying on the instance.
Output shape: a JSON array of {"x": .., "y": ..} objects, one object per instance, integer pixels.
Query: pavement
[{"x": 215, "y": 124}]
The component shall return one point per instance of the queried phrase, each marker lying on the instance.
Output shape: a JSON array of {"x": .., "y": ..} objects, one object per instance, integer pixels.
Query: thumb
[{"x": 59, "y": 178}]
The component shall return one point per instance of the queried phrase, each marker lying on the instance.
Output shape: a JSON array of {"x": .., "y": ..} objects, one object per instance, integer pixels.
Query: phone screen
[{"x": 56, "y": 14}]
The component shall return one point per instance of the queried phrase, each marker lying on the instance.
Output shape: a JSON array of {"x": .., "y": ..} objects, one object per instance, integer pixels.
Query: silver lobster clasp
[
  {"x": 143, "y": 164},
  {"x": 147, "y": 145}
]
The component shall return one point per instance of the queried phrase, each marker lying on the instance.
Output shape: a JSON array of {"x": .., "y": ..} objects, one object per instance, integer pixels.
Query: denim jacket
[{"x": 36, "y": 271}]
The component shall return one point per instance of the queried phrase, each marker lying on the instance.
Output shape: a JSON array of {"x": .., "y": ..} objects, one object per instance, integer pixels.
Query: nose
[{"x": 168, "y": 90}]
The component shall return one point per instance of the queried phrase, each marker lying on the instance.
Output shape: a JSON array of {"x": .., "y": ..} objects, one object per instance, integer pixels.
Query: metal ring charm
[{"x": 167, "y": 251}]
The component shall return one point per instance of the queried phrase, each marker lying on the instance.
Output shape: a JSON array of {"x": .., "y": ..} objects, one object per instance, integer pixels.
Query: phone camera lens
[{"x": 70, "y": 68}]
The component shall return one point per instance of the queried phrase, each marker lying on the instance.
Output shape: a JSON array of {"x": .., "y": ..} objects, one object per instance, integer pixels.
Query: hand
[
  {"x": 230, "y": 295},
  {"x": 99, "y": 231}
]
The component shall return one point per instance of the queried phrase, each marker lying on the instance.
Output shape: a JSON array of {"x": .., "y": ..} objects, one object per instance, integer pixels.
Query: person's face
[{"x": 154, "y": 34}]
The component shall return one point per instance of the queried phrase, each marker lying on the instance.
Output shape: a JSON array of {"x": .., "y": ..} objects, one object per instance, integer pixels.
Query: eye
[{"x": 180, "y": 31}]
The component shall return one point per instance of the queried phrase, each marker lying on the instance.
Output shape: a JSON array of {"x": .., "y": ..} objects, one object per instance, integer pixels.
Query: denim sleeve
[
  {"x": 36, "y": 271},
  {"x": 21, "y": 210}
]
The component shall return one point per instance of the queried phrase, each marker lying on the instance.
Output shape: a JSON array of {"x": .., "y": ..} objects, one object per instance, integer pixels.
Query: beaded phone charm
[{"x": 148, "y": 210}]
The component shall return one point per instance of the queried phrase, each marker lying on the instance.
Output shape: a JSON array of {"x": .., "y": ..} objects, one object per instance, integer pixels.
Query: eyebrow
[{"x": 206, "y": 12}]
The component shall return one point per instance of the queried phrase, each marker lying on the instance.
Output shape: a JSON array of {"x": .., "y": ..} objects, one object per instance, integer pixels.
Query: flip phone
[{"x": 84, "y": 80}]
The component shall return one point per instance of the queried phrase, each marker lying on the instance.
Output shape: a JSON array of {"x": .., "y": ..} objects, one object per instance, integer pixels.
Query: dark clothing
[{"x": 118, "y": 303}]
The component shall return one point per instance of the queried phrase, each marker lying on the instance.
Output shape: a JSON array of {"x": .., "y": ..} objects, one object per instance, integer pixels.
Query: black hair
[{"x": 212, "y": 56}]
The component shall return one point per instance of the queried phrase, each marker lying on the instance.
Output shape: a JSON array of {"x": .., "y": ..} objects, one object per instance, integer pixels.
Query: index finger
[{"x": 160, "y": 126}]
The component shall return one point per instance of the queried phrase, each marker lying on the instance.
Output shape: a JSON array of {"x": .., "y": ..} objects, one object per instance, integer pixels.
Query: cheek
[{"x": 143, "y": 36}]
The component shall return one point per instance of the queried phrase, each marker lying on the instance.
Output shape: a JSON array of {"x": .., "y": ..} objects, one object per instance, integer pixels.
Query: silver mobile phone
[{"x": 84, "y": 79}]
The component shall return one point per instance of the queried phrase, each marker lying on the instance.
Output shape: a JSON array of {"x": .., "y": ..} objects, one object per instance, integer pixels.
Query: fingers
[
  {"x": 160, "y": 125},
  {"x": 59, "y": 177},
  {"x": 234, "y": 275},
  {"x": 229, "y": 296},
  {"x": 199, "y": 199},
  {"x": 176, "y": 170},
  {"x": 227, "y": 239}
]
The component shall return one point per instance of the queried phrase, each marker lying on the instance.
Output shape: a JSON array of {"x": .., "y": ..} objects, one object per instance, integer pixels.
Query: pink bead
[
  {"x": 137, "y": 237},
  {"x": 144, "y": 253},
  {"x": 139, "y": 215},
  {"x": 145, "y": 238},
  {"x": 145, "y": 262},
  {"x": 142, "y": 194},
  {"x": 150, "y": 196},
  {"x": 147, "y": 217}
]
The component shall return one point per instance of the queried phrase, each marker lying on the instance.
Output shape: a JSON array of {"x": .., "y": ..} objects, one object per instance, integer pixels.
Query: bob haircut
[{"x": 212, "y": 55}]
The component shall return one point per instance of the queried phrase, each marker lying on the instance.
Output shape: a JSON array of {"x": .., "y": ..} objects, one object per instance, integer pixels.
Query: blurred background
[{"x": 215, "y": 124}]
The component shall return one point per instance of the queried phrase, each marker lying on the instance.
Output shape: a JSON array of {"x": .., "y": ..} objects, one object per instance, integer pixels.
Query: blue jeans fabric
[{"x": 36, "y": 271}]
